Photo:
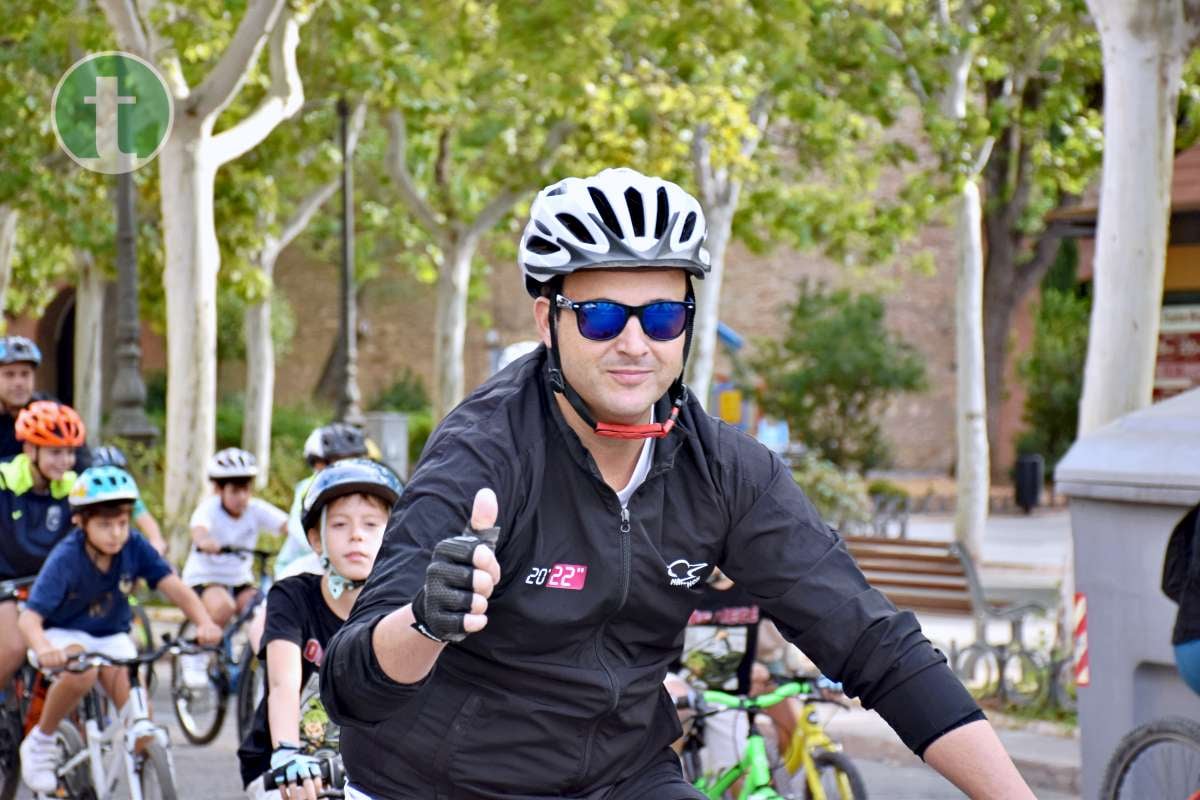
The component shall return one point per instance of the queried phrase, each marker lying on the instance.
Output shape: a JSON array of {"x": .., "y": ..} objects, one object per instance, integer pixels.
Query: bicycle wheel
[
  {"x": 156, "y": 775},
  {"x": 1023, "y": 678},
  {"x": 251, "y": 688},
  {"x": 1158, "y": 759},
  {"x": 10, "y": 744},
  {"x": 77, "y": 783},
  {"x": 839, "y": 778},
  {"x": 978, "y": 668},
  {"x": 143, "y": 636},
  {"x": 199, "y": 709}
]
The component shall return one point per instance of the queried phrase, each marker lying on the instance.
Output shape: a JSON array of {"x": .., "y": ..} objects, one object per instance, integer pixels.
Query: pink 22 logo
[{"x": 559, "y": 576}]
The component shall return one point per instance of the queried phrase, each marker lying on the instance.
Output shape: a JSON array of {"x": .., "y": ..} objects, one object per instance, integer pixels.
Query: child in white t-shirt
[{"x": 230, "y": 517}]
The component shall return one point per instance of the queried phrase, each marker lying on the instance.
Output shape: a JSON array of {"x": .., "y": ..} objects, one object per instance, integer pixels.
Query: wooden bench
[{"x": 934, "y": 577}]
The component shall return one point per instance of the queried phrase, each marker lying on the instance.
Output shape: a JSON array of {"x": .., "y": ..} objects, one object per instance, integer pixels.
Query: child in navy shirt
[{"x": 80, "y": 603}]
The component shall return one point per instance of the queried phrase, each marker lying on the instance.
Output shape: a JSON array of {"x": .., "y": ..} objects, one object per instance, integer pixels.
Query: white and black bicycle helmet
[
  {"x": 334, "y": 442},
  {"x": 617, "y": 218},
  {"x": 232, "y": 463}
]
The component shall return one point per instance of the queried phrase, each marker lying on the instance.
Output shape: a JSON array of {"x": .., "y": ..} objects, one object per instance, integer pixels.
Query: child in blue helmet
[
  {"x": 79, "y": 602},
  {"x": 345, "y": 511},
  {"x": 143, "y": 521}
]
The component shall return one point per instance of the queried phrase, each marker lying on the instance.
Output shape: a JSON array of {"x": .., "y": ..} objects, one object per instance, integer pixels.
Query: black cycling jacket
[{"x": 561, "y": 694}]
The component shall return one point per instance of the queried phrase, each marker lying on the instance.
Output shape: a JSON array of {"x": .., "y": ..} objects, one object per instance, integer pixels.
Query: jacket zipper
[{"x": 626, "y": 578}]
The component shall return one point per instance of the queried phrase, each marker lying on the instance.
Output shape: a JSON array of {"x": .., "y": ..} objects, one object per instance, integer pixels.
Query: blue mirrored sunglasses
[{"x": 601, "y": 320}]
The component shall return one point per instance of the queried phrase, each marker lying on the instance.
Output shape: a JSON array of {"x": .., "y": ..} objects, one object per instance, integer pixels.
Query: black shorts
[{"x": 233, "y": 590}]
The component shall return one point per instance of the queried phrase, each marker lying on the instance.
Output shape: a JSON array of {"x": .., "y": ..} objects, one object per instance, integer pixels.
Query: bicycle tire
[
  {"x": 1024, "y": 678},
  {"x": 832, "y": 763},
  {"x": 978, "y": 668},
  {"x": 250, "y": 692},
  {"x": 1178, "y": 735},
  {"x": 155, "y": 774},
  {"x": 10, "y": 753},
  {"x": 76, "y": 785},
  {"x": 186, "y": 701},
  {"x": 143, "y": 636}
]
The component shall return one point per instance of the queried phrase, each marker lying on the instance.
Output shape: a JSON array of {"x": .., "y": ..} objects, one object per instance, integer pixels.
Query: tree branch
[
  {"x": 123, "y": 19},
  {"x": 282, "y": 101},
  {"x": 309, "y": 206},
  {"x": 910, "y": 72},
  {"x": 759, "y": 117},
  {"x": 702, "y": 163},
  {"x": 397, "y": 164},
  {"x": 162, "y": 52},
  {"x": 225, "y": 80}
]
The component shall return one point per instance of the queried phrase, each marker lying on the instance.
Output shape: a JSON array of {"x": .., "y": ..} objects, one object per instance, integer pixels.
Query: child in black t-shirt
[{"x": 345, "y": 511}]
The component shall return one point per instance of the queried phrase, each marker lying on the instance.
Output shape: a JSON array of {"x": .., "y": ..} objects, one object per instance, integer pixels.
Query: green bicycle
[{"x": 812, "y": 769}]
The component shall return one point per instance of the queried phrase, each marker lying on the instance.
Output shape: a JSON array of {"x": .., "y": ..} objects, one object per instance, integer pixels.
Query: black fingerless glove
[{"x": 441, "y": 604}]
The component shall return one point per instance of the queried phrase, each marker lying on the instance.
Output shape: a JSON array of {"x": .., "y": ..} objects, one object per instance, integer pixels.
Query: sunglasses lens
[
  {"x": 664, "y": 321},
  {"x": 601, "y": 321}
]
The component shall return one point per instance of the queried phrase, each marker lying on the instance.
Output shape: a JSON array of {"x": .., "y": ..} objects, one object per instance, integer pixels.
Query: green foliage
[
  {"x": 841, "y": 496},
  {"x": 833, "y": 372},
  {"x": 881, "y": 488},
  {"x": 1053, "y": 370},
  {"x": 231, "y": 333},
  {"x": 420, "y": 426},
  {"x": 406, "y": 394}
]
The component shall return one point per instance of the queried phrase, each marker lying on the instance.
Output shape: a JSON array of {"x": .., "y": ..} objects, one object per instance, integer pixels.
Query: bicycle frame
[
  {"x": 119, "y": 737},
  {"x": 810, "y": 736},
  {"x": 755, "y": 766}
]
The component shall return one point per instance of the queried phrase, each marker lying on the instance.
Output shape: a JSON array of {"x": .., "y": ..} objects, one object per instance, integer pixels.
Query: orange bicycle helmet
[{"x": 49, "y": 424}]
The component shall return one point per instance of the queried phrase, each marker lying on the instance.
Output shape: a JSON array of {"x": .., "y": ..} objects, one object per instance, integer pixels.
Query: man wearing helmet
[
  {"x": 34, "y": 511},
  {"x": 613, "y": 496},
  {"x": 19, "y": 358}
]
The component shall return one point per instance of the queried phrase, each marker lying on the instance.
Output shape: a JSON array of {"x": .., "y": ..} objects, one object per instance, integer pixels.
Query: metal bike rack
[{"x": 1129, "y": 483}]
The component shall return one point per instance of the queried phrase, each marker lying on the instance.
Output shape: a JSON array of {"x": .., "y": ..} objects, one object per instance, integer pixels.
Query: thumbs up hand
[{"x": 460, "y": 577}]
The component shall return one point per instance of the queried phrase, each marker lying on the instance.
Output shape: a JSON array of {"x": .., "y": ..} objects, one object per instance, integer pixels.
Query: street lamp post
[
  {"x": 128, "y": 418},
  {"x": 349, "y": 401}
]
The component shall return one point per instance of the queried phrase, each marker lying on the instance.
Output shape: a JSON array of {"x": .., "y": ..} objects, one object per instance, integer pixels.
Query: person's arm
[
  {"x": 284, "y": 671},
  {"x": 800, "y": 572},
  {"x": 30, "y": 626},
  {"x": 148, "y": 525},
  {"x": 973, "y": 759},
  {"x": 189, "y": 602}
]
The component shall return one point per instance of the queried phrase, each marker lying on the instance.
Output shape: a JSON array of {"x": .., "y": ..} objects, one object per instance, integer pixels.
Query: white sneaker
[
  {"x": 195, "y": 670},
  {"x": 39, "y": 759}
]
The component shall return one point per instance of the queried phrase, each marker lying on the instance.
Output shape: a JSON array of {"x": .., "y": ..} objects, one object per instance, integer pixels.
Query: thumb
[{"x": 484, "y": 511}]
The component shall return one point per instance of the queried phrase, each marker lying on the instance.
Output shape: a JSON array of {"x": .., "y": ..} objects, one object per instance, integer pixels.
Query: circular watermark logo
[{"x": 112, "y": 112}]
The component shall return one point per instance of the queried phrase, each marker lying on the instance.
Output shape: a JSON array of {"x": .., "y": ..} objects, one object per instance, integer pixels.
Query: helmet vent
[
  {"x": 689, "y": 225},
  {"x": 660, "y": 222},
  {"x": 577, "y": 228},
  {"x": 633, "y": 199},
  {"x": 541, "y": 226},
  {"x": 541, "y": 246},
  {"x": 607, "y": 215}
]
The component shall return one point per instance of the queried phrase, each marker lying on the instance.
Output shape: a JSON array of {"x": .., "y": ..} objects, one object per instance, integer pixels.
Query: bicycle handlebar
[
  {"x": 82, "y": 662},
  {"x": 247, "y": 551},
  {"x": 11, "y": 588}
]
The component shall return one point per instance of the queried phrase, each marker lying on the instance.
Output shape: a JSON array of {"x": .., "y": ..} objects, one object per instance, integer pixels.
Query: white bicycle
[{"x": 118, "y": 755}]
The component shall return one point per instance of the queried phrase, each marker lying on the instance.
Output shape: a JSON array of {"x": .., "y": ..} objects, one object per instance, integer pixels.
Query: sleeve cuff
[
  {"x": 927, "y": 705},
  {"x": 369, "y": 695},
  {"x": 975, "y": 716}
]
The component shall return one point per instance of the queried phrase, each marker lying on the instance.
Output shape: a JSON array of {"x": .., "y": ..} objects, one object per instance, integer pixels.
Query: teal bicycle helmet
[{"x": 98, "y": 485}]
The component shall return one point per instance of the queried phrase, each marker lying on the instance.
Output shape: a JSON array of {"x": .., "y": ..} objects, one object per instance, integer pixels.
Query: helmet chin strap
[
  {"x": 337, "y": 583},
  {"x": 677, "y": 393}
]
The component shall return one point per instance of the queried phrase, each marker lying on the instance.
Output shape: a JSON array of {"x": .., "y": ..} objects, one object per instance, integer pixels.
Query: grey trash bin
[
  {"x": 389, "y": 430},
  {"x": 1129, "y": 483}
]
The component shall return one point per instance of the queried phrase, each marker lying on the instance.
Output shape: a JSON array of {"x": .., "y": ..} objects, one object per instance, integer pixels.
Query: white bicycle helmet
[
  {"x": 232, "y": 462},
  {"x": 617, "y": 218}
]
